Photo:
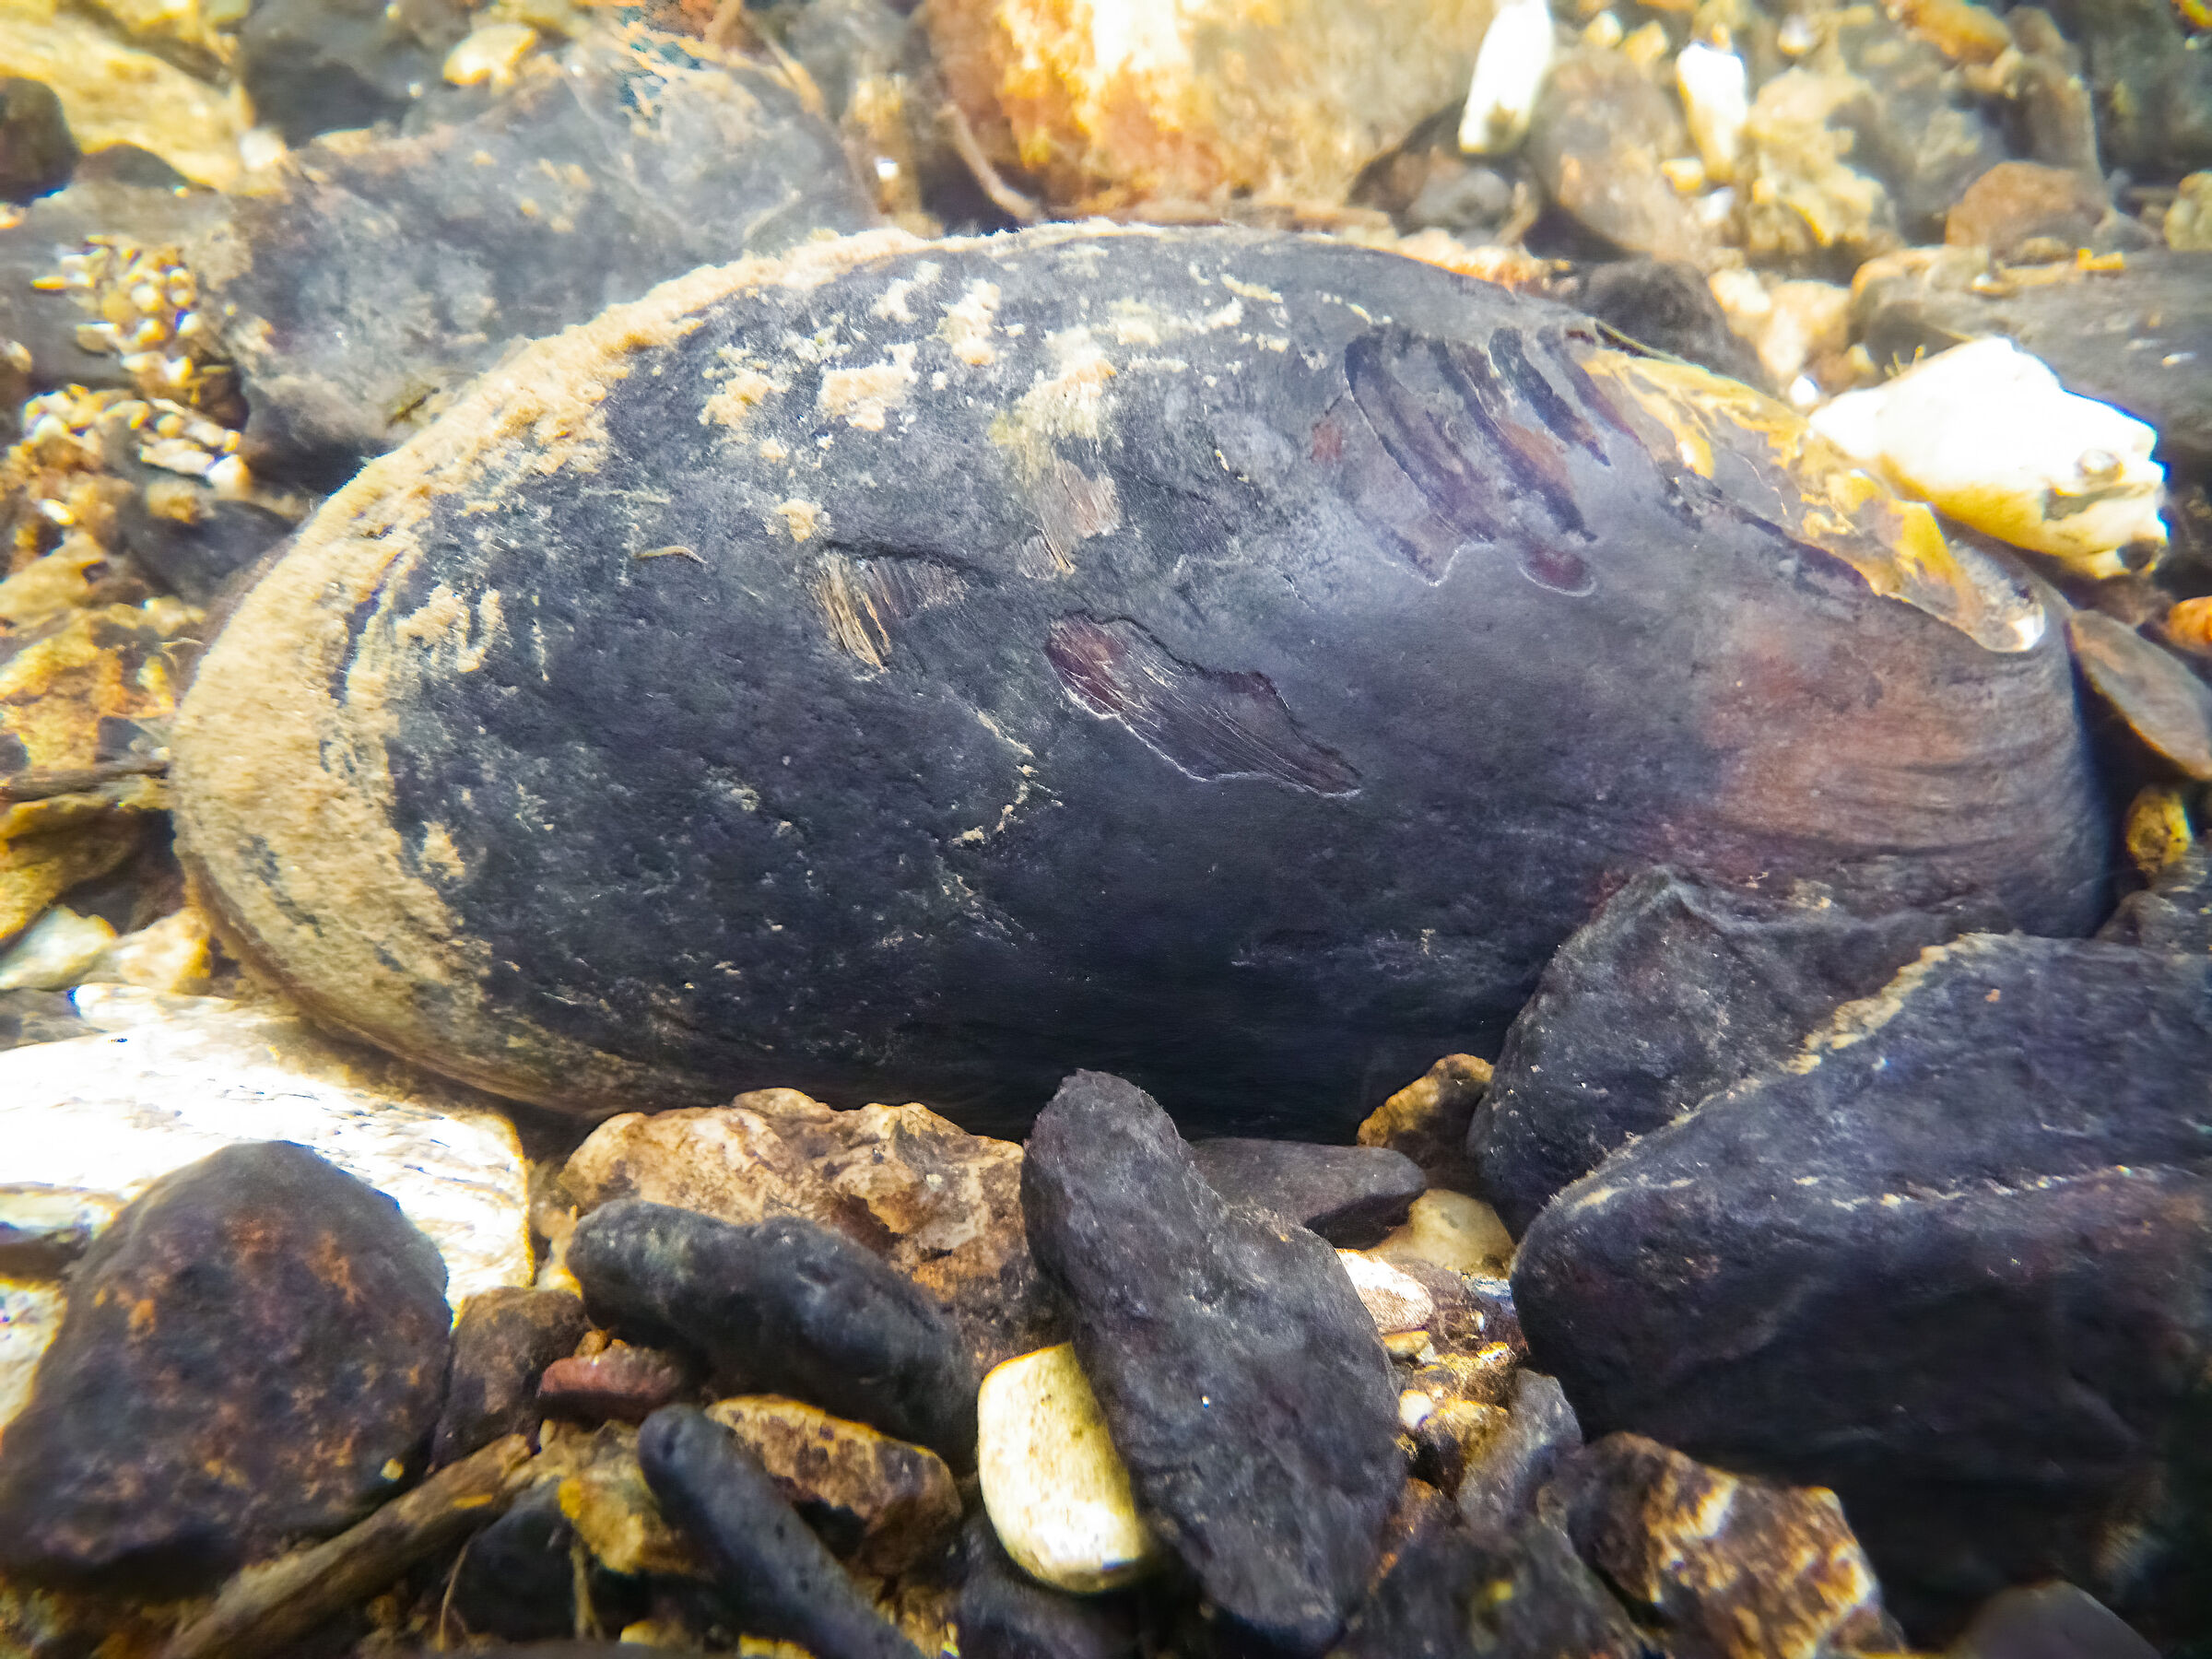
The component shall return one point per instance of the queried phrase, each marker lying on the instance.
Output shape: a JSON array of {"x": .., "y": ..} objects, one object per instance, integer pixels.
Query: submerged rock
[
  {"x": 254, "y": 1351},
  {"x": 1948, "y": 1261},
  {"x": 728, "y": 692},
  {"x": 1239, "y": 1374},
  {"x": 1350, "y": 1195}
]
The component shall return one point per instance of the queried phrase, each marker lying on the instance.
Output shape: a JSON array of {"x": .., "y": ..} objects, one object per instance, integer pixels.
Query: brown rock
[
  {"x": 2016, "y": 201},
  {"x": 622, "y": 1384},
  {"x": 504, "y": 1338},
  {"x": 1195, "y": 103},
  {"x": 1453, "y": 1408},
  {"x": 879, "y": 1503},
  {"x": 254, "y": 1351},
  {"x": 1428, "y": 1120},
  {"x": 2164, "y": 704},
  {"x": 1600, "y": 130},
  {"x": 940, "y": 1204},
  {"x": 1727, "y": 1568}
]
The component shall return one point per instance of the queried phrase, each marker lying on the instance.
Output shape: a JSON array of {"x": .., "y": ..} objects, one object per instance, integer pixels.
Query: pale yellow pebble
[{"x": 1452, "y": 1231}]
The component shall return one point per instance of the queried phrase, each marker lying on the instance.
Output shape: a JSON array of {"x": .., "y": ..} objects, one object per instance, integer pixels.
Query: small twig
[
  {"x": 265, "y": 1609},
  {"x": 1022, "y": 209},
  {"x": 672, "y": 551},
  {"x": 45, "y": 785},
  {"x": 445, "y": 1603}
]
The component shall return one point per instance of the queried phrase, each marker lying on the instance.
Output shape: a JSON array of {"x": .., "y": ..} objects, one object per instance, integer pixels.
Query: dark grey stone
[
  {"x": 2174, "y": 912},
  {"x": 321, "y": 66},
  {"x": 37, "y": 153},
  {"x": 243, "y": 1352},
  {"x": 502, "y": 1340},
  {"x": 1240, "y": 1376},
  {"x": 1957, "y": 1267},
  {"x": 783, "y": 1306},
  {"x": 1004, "y": 1614},
  {"x": 1350, "y": 1195},
  {"x": 518, "y": 1580},
  {"x": 1670, "y": 307},
  {"x": 2153, "y": 92},
  {"x": 1499, "y": 1490},
  {"x": 780, "y": 1581},
  {"x": 2049, "y": 1621},
  {"x": 1672, "y": 990},
  {"x": 28, "y": 1017},
  {"x": 384, "y": 275}
]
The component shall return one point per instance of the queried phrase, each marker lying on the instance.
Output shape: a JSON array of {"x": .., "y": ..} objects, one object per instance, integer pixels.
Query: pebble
[
  {"x": 879, "y": 1503},
  {"x": 1716, "y": 99},
  {"x": 37, "y": 152},
  {"x": 1426, "y": 1120},
  {"x": 1002, "y": 1613},
  {"x": 1510, "y": 68},
  {"x": 115, "y": 94},
  {"x": 1986, "y": 433},
  {"x": 518, "y": 1580},
  {"x": 2188, "y": 223},
  {"x": 620, "y": 1383},
  {"x": 1994, "y": 1165},
  {"x": 1452, "y": 1231},
  {"x": 783, "y": 1306},
  {"x": 779, "y": 1579},
  {"x": 1350, "y": 1195},
  {"x": 941, "y": 1205},
  {"x": 1213, "y": 740},
  {"x": 56, "y": 951},
  {"x": 1498, "y": 1489},
  {"x": 254, "y": 1350},
  {"x": 1672, "y": 308},
  {"x": 1671, "y": 992},
  {"x": 1238, "y": 1373},
  {"x": 1600, "y": 132},
  {"x": 2048, "y": 1621},
  {"x": 1734, "y": 1567},
  {"x": 1395, "y": 1301},
  {"x": 2016, "y": 202},
  {"x": 504, "y": 1340},
  {"x": 2159, "y": 695},
  {"x": 1057, "y": 1493}
]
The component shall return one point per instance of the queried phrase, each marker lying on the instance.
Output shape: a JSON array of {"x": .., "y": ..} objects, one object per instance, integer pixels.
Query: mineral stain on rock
[{"x": 1226, "y": 657}]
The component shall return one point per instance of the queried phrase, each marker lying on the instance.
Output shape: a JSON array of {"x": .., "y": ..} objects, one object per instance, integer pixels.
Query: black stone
[
  {"x": 382, "y": 275},
  {"x": 37, "y": 154},
  {"x": 783, "y": 1306},
  {"x": 1958, "y": 1268},
  {"x": 1374, "y": 664},
  {"x": 502, "y": 1340},
  {"x": 320, "y": 65},
  {"x": 1672, "y": 990},
  {"x": 2049, "y": 1621},
  {"x": 190, "y": 539},
  {"x": 1670, "y": 307},
  {"x": 1002, "y": 1613},
  {"x": 1239, "y": 1374},
  {"x": 1418, "y": 1606},
  {"x": 518, "y": 1580},
  {"x": 1498, "y": 1490},
  {"x": 1534, "y": 1597},
  {"x": 2174, "y": 912},
  {"x": 242, "y": 1353},
  {"x": 1350, "y": 1195},
  {"x": 780, "y": 1581}
]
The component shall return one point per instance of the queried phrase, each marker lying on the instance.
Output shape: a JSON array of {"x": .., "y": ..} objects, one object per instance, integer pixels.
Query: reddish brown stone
[
  {"x": 254, "y": 1351},
  {"x": 621, "y": 1382}
]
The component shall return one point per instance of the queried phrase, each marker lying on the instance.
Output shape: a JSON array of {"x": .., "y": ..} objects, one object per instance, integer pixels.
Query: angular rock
[
  {"x": 784, "y": 1306},
  {"x": 1803, "y": 203},
  {"x": 1057, "y": 1492},
  {"x": 254, "y": 1350},
  {"x": 1534, "y": 1597},
  {"x": 318, "y": 65},
  {"x": 1428, "y": 1120},
  {"x": 1395, "y": 1301},
  {"x": 1004, "y": 1614},
  {"x": 2158, "y": 694},
  {"x": 1417, "y": 1606},
  {"x": 1350, "y": 1195},
  {"x": 879, "y": 1503},
  {"x": 782, "y": 1583},
  {"x": 2048, "y": 1621},
  {"x": 1202, "y": 107},
  {"x": 518, "y": 1580},
  {"x": 1672, "y": 992},
  {"x": 605, "y": 1497},
  {"x": 2174, "y": 913},
  {"x": 1949, "y": 1262},
  {"x": 1305, "y": 894},
  {"x": 1922, "y": 129},
  {"x": 1497, "y": 1492},
  {"x": 379, "y": 276},
  {"x": 619, "y": 1383},
  {"x": 1722, "y": 1568},
  {"x": 1240, "y": 1379},
  {"x": 504, "y": 1338},
  {"x": 940, "y": 1204}
]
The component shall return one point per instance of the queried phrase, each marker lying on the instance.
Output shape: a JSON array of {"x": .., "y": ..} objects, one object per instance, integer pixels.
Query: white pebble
[
  {"x": 1396, "y": 1301},
  {"x": 1985, "y": 434},
  {"x": 1716, "y": 96},
  {"x": 1057, "y": 1490},
  {"x": 492, "y": 54},
  {"x": 54, "y": 952},
  {"x": 1509, "y": 73}
]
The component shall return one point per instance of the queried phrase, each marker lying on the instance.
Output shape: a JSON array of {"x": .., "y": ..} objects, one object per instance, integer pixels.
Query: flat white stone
[
  {"x": 88, "y": 1124},
  {"x": 1056, "y": 1490}
]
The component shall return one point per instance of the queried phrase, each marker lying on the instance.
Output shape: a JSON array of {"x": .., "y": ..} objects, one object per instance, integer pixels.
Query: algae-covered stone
[{"x": 1243, "y": 659}]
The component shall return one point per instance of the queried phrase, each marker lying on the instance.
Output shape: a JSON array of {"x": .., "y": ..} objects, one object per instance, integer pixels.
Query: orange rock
[
  {"x": 1114, "y": 104},
  {"x": 2015, "y": 201},
  {"x": 2189, "y": 626},
  {"x": 1963, "y": 33}
]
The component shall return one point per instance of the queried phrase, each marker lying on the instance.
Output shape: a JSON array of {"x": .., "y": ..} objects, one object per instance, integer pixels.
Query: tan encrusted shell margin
[{"x": 284, "y": 792}]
